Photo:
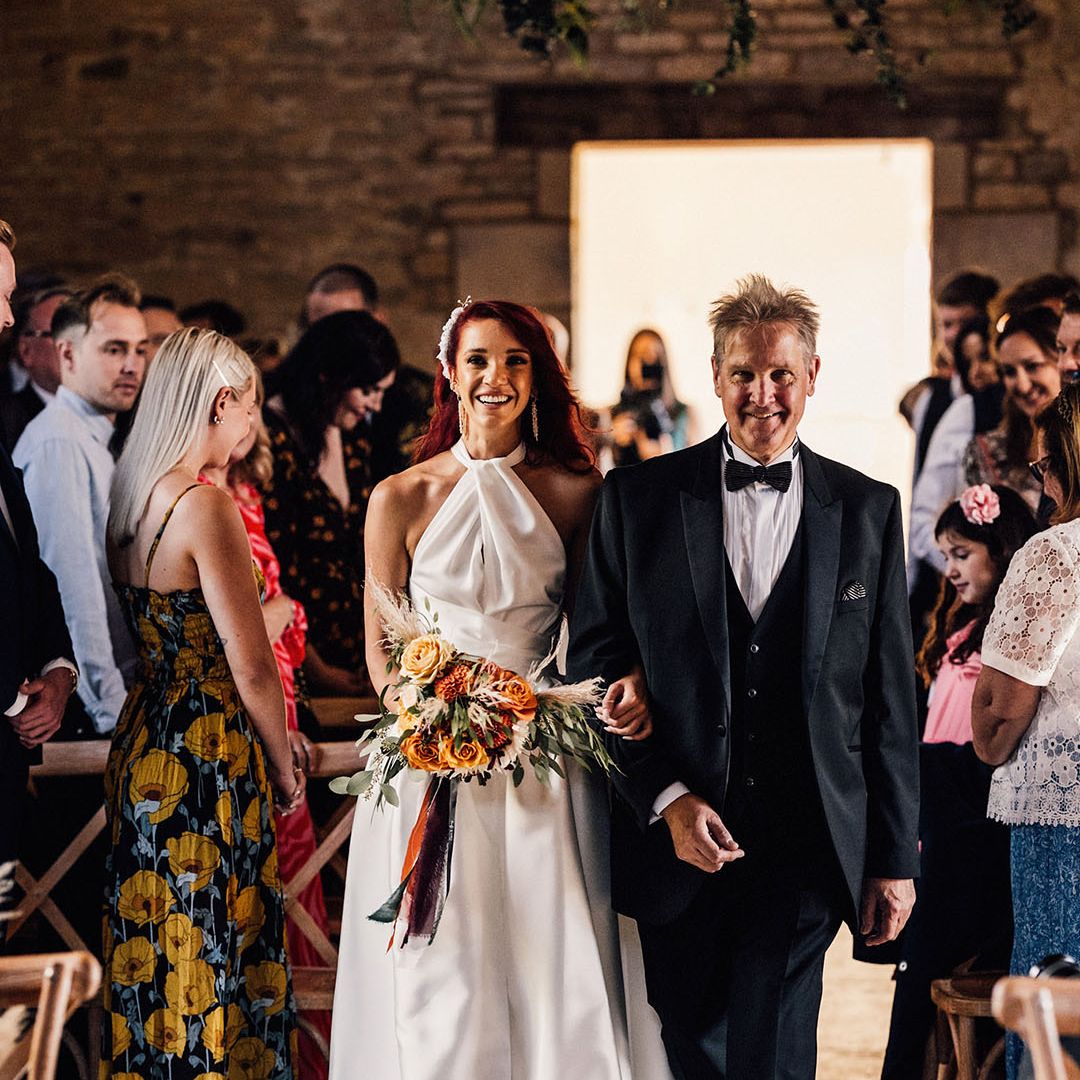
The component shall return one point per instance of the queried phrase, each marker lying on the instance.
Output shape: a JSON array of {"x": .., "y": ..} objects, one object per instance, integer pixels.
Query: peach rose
[
  {"x": 520, "y": 699},
  {"x": 424, "y": 657},
  {"x": 470, "y": 756},
  {"x": 419, "y": 753}
]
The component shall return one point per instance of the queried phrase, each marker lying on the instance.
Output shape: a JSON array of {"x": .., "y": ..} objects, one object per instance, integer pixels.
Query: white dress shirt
[{"x": 759, "y": 528}]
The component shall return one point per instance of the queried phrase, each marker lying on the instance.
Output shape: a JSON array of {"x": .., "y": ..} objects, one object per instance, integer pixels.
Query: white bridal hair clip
[{"x": 444, "y": 337}]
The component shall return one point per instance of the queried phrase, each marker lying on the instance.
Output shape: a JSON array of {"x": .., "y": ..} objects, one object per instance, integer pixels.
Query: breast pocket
[{"x": 849, "y": 607}]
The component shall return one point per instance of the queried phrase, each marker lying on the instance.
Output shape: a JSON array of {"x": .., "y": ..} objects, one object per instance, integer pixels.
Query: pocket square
[{"x": 854, "y": 590}]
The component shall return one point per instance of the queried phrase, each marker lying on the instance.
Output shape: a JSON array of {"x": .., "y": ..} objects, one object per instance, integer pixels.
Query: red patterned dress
[{"x": 295, "y": 833}]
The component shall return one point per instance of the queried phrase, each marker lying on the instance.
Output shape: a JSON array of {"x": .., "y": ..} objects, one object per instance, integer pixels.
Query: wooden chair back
[
  {"x": 1040, "y": 1011},
  {"x": 57, "y": 984}
]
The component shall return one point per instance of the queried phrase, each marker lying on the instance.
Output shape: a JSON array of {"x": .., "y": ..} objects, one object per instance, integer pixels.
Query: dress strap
[{"x": 161, "y": 528}]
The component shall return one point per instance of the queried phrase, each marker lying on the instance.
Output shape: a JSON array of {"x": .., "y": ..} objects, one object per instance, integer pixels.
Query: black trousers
[{"x": 736, "y": 979}]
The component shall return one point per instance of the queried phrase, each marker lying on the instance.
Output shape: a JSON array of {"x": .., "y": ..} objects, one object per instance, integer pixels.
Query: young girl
[{"x": 963, "y": 908}]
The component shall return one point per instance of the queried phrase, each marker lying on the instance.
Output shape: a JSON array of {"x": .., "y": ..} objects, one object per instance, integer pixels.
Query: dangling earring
[
  {"x": 535, "y": 419},
  {"x": 462, "y": 420}
]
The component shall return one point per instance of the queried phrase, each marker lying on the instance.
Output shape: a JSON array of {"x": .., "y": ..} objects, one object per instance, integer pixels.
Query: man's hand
[
  {"x": 886, "y": 905},
  {"x": 41, "y": 717},
  {"x": 700, "y": 837},
  {"x": 625, "y": 709}
]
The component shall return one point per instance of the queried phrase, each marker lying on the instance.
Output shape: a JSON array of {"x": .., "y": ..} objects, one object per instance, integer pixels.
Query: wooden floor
[{"x": 854, "y": 1015}]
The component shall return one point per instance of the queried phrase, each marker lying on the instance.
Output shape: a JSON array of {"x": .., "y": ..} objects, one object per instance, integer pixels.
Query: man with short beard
[{"x": 100, "y": 336}]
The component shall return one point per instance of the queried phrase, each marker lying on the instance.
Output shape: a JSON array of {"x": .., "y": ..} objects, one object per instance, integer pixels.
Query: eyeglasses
[
  {"x": 1040, "y": 468},
  {"x": 37, "y": 333}
]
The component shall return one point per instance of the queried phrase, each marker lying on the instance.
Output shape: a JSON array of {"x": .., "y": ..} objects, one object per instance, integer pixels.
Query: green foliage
[{"x": 540, "y": 26}]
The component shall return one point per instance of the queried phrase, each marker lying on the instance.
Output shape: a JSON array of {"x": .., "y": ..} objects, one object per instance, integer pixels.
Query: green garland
[{"x": 540, "y": 26}]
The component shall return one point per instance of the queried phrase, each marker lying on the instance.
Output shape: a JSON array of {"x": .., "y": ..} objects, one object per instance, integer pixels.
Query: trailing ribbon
[{"x": 416, "y": 905}]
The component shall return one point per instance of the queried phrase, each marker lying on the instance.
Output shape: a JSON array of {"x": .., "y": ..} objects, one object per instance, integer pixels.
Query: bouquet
[{"x": 459, "y": 718}]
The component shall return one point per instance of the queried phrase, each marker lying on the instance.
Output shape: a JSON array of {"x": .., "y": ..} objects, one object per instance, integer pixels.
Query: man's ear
[
  {"x": 715, "y": 374},
  {"x": 813, "y": 368},
  {"x": 65, "y": 349}
]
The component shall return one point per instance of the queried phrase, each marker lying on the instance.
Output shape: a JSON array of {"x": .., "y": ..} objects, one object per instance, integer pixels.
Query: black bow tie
[{"x": 738, "y": 474}]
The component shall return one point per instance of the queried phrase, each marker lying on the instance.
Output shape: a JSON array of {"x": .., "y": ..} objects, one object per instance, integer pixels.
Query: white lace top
[{"x": 1032, "y": 637}]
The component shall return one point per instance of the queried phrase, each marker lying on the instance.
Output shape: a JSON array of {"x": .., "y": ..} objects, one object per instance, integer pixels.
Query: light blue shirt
[{"x": 67, "y": 470}]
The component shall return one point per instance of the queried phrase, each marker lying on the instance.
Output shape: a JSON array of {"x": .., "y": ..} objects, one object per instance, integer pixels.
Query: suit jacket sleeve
[
  {"x": 890, "y": 731},
  {"x": 602, "y": 642}
]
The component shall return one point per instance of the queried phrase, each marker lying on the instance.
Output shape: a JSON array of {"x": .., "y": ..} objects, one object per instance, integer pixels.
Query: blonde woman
[{"x": 197, "y": 979}]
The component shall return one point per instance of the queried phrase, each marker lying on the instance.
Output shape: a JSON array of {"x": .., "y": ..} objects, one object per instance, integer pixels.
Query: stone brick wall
[{"x": 231, "y": 149}]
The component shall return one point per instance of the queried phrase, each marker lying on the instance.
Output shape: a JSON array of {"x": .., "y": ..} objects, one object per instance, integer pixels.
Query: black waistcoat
[{"x": 772, "y": 803}]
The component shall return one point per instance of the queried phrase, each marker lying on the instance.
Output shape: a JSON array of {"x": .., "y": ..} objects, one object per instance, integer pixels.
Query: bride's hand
[
  {"x": 288, "y": 783},
  {"x": 625, "y": 709}
]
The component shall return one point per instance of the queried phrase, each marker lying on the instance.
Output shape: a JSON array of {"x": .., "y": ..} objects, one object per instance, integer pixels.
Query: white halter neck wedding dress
[{"x": 525, "y": 977}]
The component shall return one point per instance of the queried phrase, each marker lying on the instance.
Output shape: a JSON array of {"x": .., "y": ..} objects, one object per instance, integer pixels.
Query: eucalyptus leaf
[
  {"x": 390, "y": 794},
  {"x": 359, "y": 782}
]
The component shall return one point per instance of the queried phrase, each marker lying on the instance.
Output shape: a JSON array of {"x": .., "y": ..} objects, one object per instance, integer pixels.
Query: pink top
[{"x": 949, "y": 715}]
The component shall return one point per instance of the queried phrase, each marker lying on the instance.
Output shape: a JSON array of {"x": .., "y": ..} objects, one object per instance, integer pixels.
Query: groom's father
[{"x": 760, "y": 591}]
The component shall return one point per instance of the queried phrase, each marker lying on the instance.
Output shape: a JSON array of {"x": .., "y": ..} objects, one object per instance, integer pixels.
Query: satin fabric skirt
[{"x": 527, "y": 978}]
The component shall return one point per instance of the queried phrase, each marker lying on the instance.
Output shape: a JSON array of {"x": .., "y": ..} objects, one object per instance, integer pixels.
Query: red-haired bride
[{"x": 527, "y": 978}]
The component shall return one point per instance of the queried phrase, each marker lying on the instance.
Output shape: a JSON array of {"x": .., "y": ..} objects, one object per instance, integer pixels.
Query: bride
[{"x": 529, "y": 977}]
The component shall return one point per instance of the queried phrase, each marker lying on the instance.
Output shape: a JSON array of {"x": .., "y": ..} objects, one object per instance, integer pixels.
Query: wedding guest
[
  {"x": 33, "y": 345},
  {"x": 249, "y": 468},
  {"x": 394, "y": 430},
  {"x": 100, "y": 336},
  {"x": 1027, "y": 353},
  {"x": 963, "y": 908},
  {"x": 998, "y": 453},
  {"x": 1068, "y": 339},
  {"x": 963, "y": 297},
  {"x": 215, "y": 315},
  {"x": 648, "y": 419},
  {"x": 37, "y": 672},
  {"x": 13, "y": 376},
  {"x": 161, "y": 320},
  {"x": 1043, "y": 290},
  {"x": 1026, "y": 708},
  {"x": 333, "y": 380},
  {"x": 194, "y": 948}
]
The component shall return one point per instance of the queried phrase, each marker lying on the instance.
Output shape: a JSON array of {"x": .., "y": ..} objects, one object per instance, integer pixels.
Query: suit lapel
[
  {"x": 9, "y": 484},
  {"x": 703, "y": 528},
  {"x": 822, "y": 517}
]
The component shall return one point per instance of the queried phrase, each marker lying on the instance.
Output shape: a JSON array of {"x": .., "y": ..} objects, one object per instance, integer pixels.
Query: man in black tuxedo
[
  {"x": 37, "y": 674},
  {"x": 758, "y": 592}
]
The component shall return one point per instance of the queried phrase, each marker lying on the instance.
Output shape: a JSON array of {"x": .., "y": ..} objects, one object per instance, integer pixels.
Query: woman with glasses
[{"x": 1026, "y": 707}]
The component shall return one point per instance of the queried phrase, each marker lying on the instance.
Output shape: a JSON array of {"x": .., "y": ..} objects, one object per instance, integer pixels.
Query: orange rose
[
  {"x": 420, "y": 754},
  {"x": 520, "y": 699},
  {"x": 424, "y": 657},
  {"x": 470, "y": 755}
]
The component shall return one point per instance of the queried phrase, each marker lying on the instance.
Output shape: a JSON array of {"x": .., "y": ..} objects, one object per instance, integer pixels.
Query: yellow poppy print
[
  {"x": 145, "y": 898},
  {"x": 189, "y": 987},
  {"x": 234, "y": 1026},
  {"x": 206, "y": 737},
  {"x": 198, "y": 631},
  {"x": 253, "y": 821},
  {"x": 249, "y": 915},
  {"x": 265, "y": 985},
  {"x": 251, "y": 1059},
  {"x": 269, "y": 875},
  {"x": 210, "y": 1076},
  {"x": 179, "y": 939},
  {"x": 213, "y": 1033},
  {"x": 133, "y": 962},
  {"x": 158, "y": 782},
  {"x": 166, "y": 1031},
  {"x": 223, "y": 816},
  {"x": 193, "y": 860},
  {"x": 237, "y": 752},
  {"x": 121, "y": 1034}
]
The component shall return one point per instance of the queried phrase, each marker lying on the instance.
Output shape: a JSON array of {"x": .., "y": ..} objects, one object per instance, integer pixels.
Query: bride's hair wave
[{"x": 559, "y": 413}]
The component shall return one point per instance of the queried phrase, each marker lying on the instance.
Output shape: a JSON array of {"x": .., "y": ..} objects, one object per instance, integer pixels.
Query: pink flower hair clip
[{"x": 980, "y": 504}]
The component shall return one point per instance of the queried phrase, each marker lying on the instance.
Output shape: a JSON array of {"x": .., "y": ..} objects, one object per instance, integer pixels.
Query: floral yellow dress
[{"x": 196, "y": 975}]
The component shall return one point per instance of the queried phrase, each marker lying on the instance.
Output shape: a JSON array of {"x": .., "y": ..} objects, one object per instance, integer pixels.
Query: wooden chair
[
  {"x": 962, "y": 999},
  {"x": 57, "y": 984},
  {"x": 341, "y": 712},
  {"x": 1040, "y": 1011}
]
